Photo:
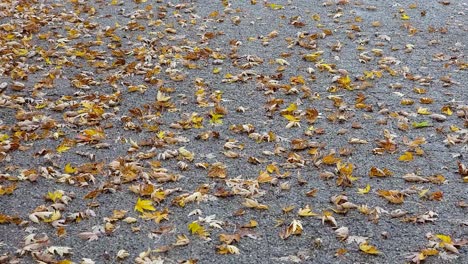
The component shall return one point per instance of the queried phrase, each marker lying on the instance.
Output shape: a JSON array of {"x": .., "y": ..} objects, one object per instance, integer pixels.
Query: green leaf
[
  {"x": 421, "y": 124},
  {"x": 275, "y": 6}
]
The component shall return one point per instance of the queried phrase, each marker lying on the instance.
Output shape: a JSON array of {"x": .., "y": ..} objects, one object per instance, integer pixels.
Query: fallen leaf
[
  {"x": 369, "y": 249},
  {"x": 407, "y": 156},
  {"x": 142, "y": 205}
]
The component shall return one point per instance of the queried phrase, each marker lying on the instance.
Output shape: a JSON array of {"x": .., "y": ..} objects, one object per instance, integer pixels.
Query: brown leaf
[{"x": 392, "y": 196}]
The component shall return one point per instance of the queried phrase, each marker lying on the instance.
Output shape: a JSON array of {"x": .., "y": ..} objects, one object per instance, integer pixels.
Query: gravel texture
[{"x": 199, "y": 106}]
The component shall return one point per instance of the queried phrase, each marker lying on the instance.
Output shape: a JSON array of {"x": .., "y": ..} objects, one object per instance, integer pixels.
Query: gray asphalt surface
[{"x": 407, "y": 80}]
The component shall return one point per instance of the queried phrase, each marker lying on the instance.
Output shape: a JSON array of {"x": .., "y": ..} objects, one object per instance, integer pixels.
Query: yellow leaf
[
  {"x": 423, "y": 111},
  {"x": 7, "y": 189},
  {"x": 392, "y": 196},
  {"x": 216, "y": 70},
  {"x": 216, "y": 118},
  {"x": 95, "y": 133},
  {"x": 62, "y": 148},
  {"x": 3, "y": 137},
  {"x": 345, "y": 82},
  {"x": 20, "y": 52},
  {"x": 272, "y": 168},
  {"x": 454, "y": 128},
  {"x": 40, "y": 106},
  {"x": 306, "y": 212},
  {"x": 368, "y": 249},
  {"x": 407, "y": 156},
  {"x": 53, "y": 217},
  {"x": 264, "y": 177},
  {"x": 313, "y": 56},
  {"x": 376, "y": 172},
  {"x": 446, "y": 110},
  {"x": 158, "y": 196},
  {"x": 429, "y": 252},
  {"x": 364, "y": 190},
  {"x": 275, "y": 6},
  {"x": 444, "y": 238},
  {"x": 404, "y": 16},
  {"x": 423, "y": 192},
  {"x": 69, "y": 169},
  {"x": 252, "y": 223},
  {"x": 142, "y": 205},
  {"x": 419, "y": 90},
  {"x": 291, "y": 118},
  {"x": 157, "y": 216},
  {"x": 291, "y": 108},
  {"x": 196, "y": 228},
  {"x": 330, "y": 159},
  {"x": 53, "y": 196},
  {"x": 325, "y": 66}
]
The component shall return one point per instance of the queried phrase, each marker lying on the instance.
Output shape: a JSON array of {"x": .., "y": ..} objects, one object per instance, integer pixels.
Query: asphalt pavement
[{"x": 136, "y": 131}]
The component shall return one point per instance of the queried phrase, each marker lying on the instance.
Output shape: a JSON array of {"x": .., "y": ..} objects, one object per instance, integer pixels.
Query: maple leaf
[
  {"x": 295, "y": 228},
  {"x": 122, "y": 254},
  {"x": 217, "y": 170},
  {"x": 447, "y": 110},
  {"x": 3, "y": 137},
  {"x": 275, "y": 6},
  {"x": 364, "y": 190},
  {"x": 55, "y": 215},
  {"x": 407, "y": 156},
  {"x": 264, "y": 177},
  {"x": 62, "y": 148},
  {"x": 330, "y": 159},
  {"x": 216, "y": 118},
  {"x": 327, "y": 216},
  {"x": 313, "y": 57},
  {"x": 447, "y": 243},
  {"x": 342, "y": 233},
  {"x": 251, "y": 203},
  {"x": 417, "y": 257},
  {"x": 69, "y": 169},
  {"x": 157, "y": 216},
  {"x": 376, "y": 172},
  {"x": 345, "y": 82},
  {"x": 142, "y": 205},
  {"x": 59, "y": 250},
  {"x": 411, "y": 177},
  {"x": 54, "y": 196},
  {"x": 196, "y": 228},
  {"x": 251, "y": 224},
  {"x": 182, "y": 240},
  {"x": 229, "y": 239},
  {"x": 462, "y": 169},
  {"x": 423, "y": 111},
  {"x": 368, "y": 249},
  {"x": 421, "y": 124},
  {"x": 7, "y": 189},
  {"x": 227, "y": 249},
  {"x": 304, "y": 212},
  {"x": 392, "y": 196}
]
